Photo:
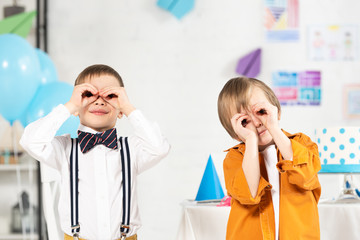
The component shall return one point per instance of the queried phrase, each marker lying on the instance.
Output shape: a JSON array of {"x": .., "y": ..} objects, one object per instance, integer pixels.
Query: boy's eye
[
  {"x": 111, "y": 96},
  {"x": 262, "y": 112},
  {"x": 87, "y": 94},
  {"x": 244, "y": 122}
]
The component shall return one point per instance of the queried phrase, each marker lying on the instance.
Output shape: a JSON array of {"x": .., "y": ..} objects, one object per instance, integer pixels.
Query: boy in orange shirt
[{"x": 271, "y": 175}]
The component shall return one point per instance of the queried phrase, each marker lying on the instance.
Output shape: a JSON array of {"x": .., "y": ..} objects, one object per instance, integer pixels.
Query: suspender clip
[
  {"x": 76, "y": 236},
  {"x": 75, "y": 229},
  {"x": 124, "y": 229},
  {"x": 123, "y": 236}
]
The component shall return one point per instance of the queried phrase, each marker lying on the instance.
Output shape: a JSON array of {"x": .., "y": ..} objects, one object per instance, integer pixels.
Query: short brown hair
[
  {"x": 235, "y": 95},
  {"x": 97, "y": 70}
]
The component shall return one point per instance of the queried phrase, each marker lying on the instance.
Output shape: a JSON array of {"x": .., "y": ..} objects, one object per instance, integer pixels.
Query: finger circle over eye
[{"x": 87, "y": 94}]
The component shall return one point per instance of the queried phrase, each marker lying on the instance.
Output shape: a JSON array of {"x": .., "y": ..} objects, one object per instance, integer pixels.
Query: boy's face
[
  {"x": 264, "y": 137},
  {"x": 100, "y": 115}
]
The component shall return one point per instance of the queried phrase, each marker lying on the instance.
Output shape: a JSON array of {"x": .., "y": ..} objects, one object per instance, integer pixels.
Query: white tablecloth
[{"x": 208, "y": 222}]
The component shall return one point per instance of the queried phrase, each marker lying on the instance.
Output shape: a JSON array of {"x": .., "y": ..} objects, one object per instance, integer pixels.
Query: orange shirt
[{"x": 253, "y": 218}]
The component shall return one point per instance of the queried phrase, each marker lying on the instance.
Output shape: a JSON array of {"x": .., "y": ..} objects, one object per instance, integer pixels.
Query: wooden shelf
[
  {"x": 13, "y": 167},
  {"x": 18, "y": 236}
]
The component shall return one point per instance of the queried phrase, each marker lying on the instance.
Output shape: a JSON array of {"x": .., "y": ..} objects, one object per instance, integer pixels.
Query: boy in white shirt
[{"x": 98, "y": 187}]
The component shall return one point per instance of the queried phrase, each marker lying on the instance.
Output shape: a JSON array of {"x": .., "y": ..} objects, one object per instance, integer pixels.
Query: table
[
  {"x": 208, "y": 222},
  {"x": 339, "y": 221}
]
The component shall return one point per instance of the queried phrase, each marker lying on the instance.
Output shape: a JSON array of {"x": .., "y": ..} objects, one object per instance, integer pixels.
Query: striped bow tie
[{"x": 89, "y": 140}]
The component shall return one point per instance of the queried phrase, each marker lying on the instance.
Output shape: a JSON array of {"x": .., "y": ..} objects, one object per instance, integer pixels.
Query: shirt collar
[
  {"x": 90, "y": 130},
  {"x": 87, "y": 129}
]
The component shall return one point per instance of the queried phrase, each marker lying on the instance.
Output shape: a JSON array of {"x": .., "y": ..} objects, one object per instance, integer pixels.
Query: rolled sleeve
[
  {"x": 236, "y": 183},
  {"x": 302, "y": 170}
]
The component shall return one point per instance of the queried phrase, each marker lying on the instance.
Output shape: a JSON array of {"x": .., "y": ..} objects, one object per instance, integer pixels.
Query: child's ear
[{"x": 120, "y": 115}]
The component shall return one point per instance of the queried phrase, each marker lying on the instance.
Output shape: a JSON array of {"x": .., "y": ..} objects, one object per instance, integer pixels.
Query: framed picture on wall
[
  {"x": 333, "y": 42},
  {"x": 352, "y": 101}
]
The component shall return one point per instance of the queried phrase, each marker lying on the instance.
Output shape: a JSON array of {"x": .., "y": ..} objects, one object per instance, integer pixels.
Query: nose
[
  {"x": 256, "y": 121},
  {"x": 99, "y": 101}
]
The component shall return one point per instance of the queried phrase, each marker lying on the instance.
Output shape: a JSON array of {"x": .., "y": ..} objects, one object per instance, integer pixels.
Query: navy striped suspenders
[
  {"x": 74, "y": 189},
  {"x": 126, "y": 188}
]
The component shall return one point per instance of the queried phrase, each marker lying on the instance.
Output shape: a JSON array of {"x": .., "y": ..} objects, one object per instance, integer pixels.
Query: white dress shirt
[
  {"x": 271, "y": 160},
  {"x": 100, "y": 179}
]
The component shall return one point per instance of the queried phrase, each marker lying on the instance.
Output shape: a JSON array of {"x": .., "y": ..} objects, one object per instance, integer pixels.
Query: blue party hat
[{"x": 210, "y": 187}]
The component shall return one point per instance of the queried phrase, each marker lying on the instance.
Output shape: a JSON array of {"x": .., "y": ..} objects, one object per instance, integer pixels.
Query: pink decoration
[{"x": 225, "y": 202}]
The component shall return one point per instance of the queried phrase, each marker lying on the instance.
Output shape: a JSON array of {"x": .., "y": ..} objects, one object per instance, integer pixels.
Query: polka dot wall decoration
[{"x": 339, "y": 148}]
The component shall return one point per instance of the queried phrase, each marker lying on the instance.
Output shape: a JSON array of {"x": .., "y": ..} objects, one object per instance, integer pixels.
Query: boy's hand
[
  {"x": 117, "y": 97},
  {"x": 269, "y": 116},
  {"x": 241, "y": 127},
  {"x": 267, "y": 113},
  {"x": 82, "y": 95}
]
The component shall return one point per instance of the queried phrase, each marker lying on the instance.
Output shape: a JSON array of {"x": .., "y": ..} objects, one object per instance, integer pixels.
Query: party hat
[{"x": 210, "y": 187}]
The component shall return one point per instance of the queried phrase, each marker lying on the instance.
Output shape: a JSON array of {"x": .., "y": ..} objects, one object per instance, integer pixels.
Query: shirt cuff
[
  {"x": 61, "y": 113},
  {"x": 298, "y": 150},
  {"x": 137, "y": 119},
  {"x": 134, "y": 114},
  {"x": 61, "y": 109},
  {"x": 242, "y": 190}
]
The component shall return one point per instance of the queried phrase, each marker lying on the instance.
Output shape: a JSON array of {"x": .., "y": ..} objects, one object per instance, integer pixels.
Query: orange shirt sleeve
[
  {"x": 235, "y": 180},
  {"x": 302, "y": 170}
]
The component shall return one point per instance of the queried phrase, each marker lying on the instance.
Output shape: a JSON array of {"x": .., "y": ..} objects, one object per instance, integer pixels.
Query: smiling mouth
[
  {"x": 262, "y": 132},
  {"x": 98, "y": 112}
]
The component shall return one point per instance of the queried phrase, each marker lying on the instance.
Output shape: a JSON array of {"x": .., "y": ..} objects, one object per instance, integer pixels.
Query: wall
[{"x": 173, "y": 71}]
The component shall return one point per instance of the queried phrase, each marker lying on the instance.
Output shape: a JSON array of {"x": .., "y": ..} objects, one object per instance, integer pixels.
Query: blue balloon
[
  {"x": 48, "y": 70},
  {"x": 70, "y": 126},
  {"x": 19, "y": 75},
  {"x": 48, "y": 97},
  {"x": 23, "y": 119}
]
